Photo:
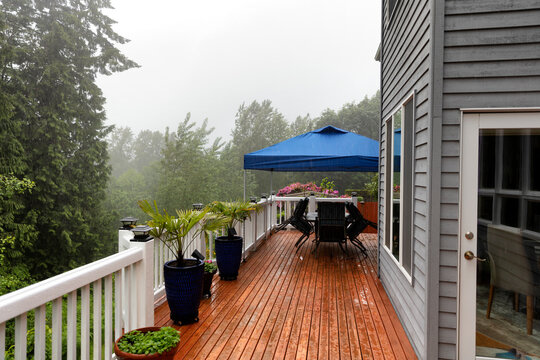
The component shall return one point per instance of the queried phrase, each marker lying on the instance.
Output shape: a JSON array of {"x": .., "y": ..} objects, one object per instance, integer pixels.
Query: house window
[
  {"x": 399, "y": 184},
  {"x": 509, "y": 179}
]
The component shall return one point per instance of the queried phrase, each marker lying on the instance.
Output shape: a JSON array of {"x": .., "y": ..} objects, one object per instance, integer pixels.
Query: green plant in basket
[
  {"x": 210, "y": 267},
  {"x": 151, "y": 342}
]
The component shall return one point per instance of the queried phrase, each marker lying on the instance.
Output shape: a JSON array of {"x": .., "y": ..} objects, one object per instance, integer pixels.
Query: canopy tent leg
[{"x": 244, "y": 185}]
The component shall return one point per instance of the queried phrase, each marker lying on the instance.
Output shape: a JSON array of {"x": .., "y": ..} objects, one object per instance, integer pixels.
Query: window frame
[{"x": 406, "y": 170}]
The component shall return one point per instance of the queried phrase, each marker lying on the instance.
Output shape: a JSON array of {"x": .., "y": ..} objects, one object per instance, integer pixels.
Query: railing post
[
  {"x": 312, "y": 205},
  {"x": 144, "y": 275}
]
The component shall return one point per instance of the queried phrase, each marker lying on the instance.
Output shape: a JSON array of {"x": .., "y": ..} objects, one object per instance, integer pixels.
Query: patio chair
[
  {"x": 331, "y": 224},
  {"x": 357, "y": 223},
  {"x": 513, "y": 266},
  {"x": 299, "y": 211}
]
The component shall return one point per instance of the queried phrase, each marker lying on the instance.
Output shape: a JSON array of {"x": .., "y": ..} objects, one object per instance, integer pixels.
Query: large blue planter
[
  {"x": 228, "y": 256},
  {"x": 183, "y": 286}
]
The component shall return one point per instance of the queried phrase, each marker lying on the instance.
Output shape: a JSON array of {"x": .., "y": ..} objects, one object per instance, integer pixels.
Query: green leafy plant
[
  {"x": 233, "y": 212},
  {"x": 210, "y": 267},
  {"x": 151, "y": 342},
  {"x": 172, "y": 230}
]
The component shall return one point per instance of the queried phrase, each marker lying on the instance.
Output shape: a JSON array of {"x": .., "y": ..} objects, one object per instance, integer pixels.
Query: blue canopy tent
[{"x": 325, "y": 149}]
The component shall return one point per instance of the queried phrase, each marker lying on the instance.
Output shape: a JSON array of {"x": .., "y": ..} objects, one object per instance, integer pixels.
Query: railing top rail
[
  {"x": 30, "y": 297},
  {"x": 317, "y": 199}
]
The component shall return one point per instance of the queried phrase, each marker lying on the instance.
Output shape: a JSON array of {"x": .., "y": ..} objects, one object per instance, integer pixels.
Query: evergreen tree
[{"x": 53, "y": 52}]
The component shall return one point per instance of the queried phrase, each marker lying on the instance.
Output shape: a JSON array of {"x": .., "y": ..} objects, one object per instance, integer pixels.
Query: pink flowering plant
[{"x": 297, "y": 187}]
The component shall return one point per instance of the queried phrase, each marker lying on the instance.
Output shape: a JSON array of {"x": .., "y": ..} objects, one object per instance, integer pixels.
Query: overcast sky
[{"x": 208, "y": 57}]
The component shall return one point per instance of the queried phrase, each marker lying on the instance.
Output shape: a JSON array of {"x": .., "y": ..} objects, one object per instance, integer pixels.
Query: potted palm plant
[
  {"x": 183, "y": 277},
  {"x": 148, "y": 343},
  {"x": 229, "y": 248}
]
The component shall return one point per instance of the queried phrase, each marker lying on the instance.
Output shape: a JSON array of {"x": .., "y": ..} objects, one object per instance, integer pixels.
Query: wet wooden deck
[{"x": 288, "y": 305}]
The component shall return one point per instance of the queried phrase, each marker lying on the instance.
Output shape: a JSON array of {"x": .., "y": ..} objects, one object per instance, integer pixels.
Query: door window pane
[
  {"x": 510, "y": 211},
  {"x": 533, "y": 216},
  {"x": 486, "y": 162},
  {"x": 534, "y": 162},
  {"x": 485, "y": 207},
  {"x": 511, "y": 164}
]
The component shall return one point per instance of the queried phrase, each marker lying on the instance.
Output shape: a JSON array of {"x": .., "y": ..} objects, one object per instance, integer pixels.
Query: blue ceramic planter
[
  {"x": 228, "y": 256},
  {"x": 183, "y": 286}
]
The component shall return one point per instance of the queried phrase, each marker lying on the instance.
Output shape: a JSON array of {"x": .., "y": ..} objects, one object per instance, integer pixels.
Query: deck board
[{"x": 288, "y": 305}]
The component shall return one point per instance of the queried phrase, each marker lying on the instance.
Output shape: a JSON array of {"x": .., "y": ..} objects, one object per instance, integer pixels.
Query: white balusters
[
  {"x": 72, "y": 325},
  {"x": 96, "y": 288},
  {"x": 57, "y": 328},
  {"x": 20, "y": 337},
  {"x": 40, "y": 335},
  {"x": 108, "y": 316},
  {"x": 85, "y": 322}
]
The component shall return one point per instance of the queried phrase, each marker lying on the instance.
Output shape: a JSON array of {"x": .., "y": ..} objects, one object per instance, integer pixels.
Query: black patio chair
[
  {"x": 331, "y": 224},
  {"x": 357, "y": 224},
  {"x": 298, "y": 212}
]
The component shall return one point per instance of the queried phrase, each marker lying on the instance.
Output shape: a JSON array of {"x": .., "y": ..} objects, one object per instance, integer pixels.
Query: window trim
[{"x": 388, "y": 185}]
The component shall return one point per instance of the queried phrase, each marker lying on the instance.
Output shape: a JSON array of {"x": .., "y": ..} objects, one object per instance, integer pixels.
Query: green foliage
[
  {"x": 210, "y": 267},
  {"x": 52, "y": 122},
  {"x": 234, "y": 212},
  {"x": 151, "y": 342},
  {"x": 372, "y": 187},
  {"x": 173, "y": 230}
]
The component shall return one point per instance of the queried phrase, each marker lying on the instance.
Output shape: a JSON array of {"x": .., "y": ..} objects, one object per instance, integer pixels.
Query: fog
[{"x": 207, "y": 57}]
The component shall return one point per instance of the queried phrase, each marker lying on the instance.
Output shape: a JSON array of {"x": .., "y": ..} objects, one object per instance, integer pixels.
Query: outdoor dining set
[{"x": 330, "y": 223}]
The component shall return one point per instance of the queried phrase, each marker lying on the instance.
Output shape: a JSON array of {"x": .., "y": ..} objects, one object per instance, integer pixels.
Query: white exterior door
[{"x": 499, "y": 236}]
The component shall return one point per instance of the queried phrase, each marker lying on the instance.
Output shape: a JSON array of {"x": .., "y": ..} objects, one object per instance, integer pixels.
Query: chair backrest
[
  {"x": 510, "y": 265},
  {"x": 330, "y": 213},
  {"x": 301, "y": 207}
]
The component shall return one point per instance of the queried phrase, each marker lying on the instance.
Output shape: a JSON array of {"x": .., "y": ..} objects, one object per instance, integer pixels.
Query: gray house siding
[
  {"x": 405, "y": 69},
  {"x": 491, "y": 60}
]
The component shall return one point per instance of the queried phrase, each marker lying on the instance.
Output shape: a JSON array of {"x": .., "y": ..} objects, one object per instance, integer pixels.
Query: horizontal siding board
[
  {"x": 477, "y": 70},
  {"x": 492, "y": 85},
  {"x": 447, "y": 289},
  {"x": 475, "y": 6},
  {"x": 449, "y": 211},
  {"x": 494, "y": 20},
  {"x": 450, "y": 163},
  {"x": 447, "y": 352},
  {"x": 449, "y": 180},
  {"x": 492, "y": 53},
  {"x": 447, "y": 335},
  {"x": 447, "y": 274},
  {"x": 509, "y": 100},
  {"x": 492, "y": 37},
  {"x": 449, "y": 243},
  {"x": 447, "y": 320},
  {"x": 448, "y": 304}
]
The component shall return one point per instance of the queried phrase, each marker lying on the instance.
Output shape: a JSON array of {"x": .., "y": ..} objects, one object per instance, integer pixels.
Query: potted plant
[
  {"x": 229, "y": 248},
  {"x": 210, "y": 269},
  {"x": 148, "y": 343},
  {"x": 183, "y": 277}
]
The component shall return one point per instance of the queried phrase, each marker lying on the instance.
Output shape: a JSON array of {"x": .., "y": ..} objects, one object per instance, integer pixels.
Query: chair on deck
[
  {"x": 331, "y": 224},
  {"x": 514, "y": 267},
  {"x": 299, "y": 222},
  {"x": 299, "y": 211},
  {"x": 357, "y": 223}
]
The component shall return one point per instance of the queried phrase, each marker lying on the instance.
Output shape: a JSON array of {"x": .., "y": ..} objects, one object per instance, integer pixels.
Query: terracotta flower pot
[{"x": 169, "y": 355}]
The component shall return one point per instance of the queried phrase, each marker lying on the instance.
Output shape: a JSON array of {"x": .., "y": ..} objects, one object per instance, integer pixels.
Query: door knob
[{"x": 469, "y": 255}]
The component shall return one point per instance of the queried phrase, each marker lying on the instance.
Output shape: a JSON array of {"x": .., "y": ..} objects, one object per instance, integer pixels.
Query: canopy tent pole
[{"x": 244, "y": 184}]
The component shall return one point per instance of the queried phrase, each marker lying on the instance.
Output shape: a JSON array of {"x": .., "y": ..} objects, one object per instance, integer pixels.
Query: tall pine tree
[{"x": 54, "y": 50}]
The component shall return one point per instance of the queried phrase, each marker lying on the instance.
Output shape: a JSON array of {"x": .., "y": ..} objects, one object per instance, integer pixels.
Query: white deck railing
[
  {"x": 96, "y": 289},
  {"x": 119, "y": 291},
  {"x": 284, "y": 206}
]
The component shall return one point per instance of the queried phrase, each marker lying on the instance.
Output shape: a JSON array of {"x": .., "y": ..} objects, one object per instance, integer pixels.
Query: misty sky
[{"x": 207, "y": 57}]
